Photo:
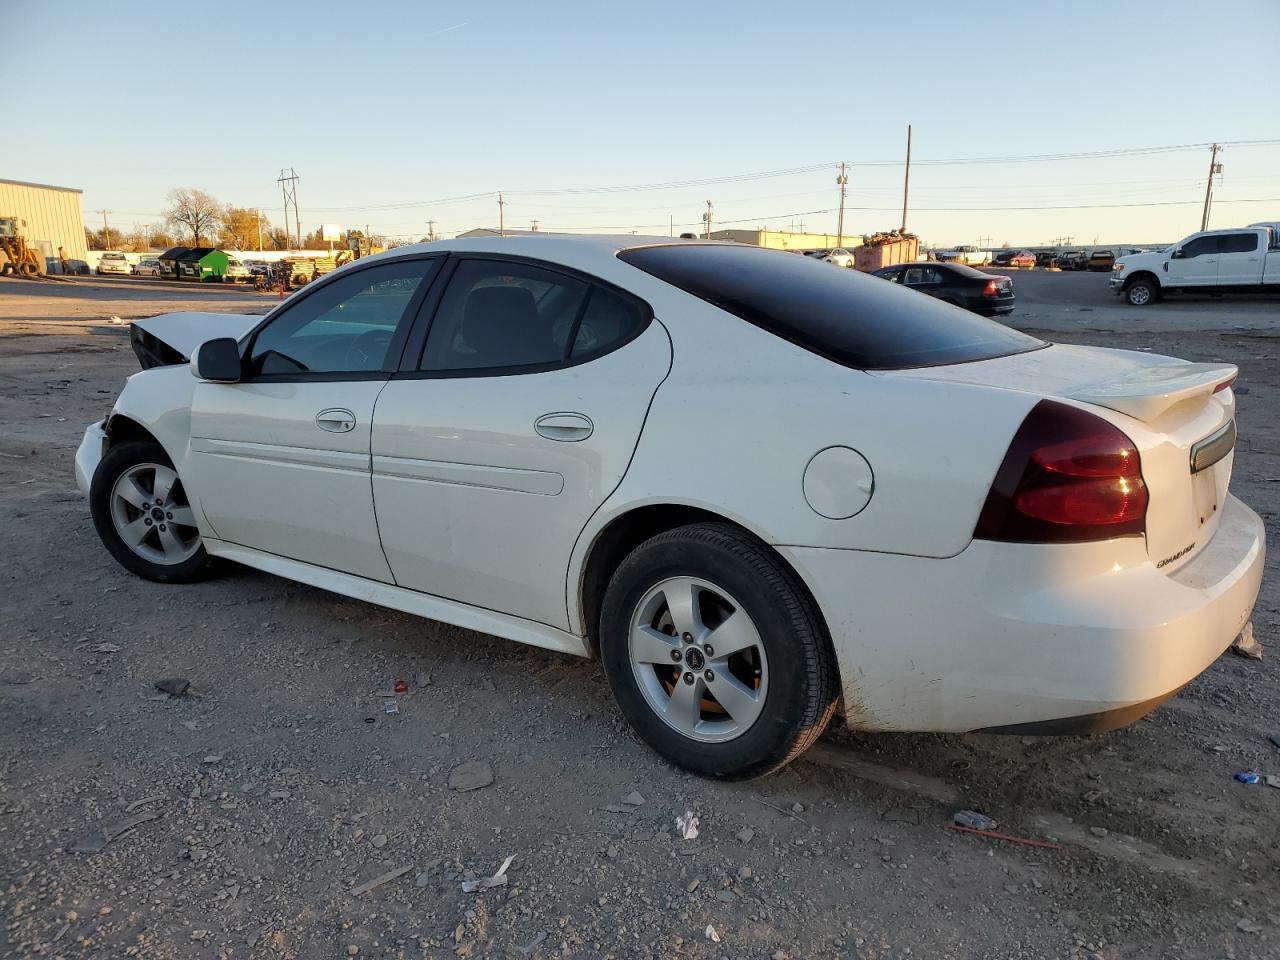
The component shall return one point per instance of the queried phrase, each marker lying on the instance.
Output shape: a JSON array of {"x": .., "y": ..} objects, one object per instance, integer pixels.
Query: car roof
[{"x": 573, "y": 250}]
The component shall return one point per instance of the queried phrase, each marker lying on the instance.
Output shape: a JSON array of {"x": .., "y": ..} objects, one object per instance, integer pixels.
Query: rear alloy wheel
[
  {"x": 143, "y": 516},
  {"x": 1140, "y": 293},
  {"x": 716, "y": 653}
]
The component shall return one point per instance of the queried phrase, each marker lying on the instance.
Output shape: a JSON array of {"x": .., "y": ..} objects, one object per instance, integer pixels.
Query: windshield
[{"x": 844, "y": 315}]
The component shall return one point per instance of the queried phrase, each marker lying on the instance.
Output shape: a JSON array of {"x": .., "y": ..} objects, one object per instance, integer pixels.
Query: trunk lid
[{"x": 1180, "y": 415}]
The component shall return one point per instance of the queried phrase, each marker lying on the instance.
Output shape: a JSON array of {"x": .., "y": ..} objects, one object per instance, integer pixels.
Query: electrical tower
[
  {"x": 288, "y": 181},
  {"x": 706, "y": 219}
]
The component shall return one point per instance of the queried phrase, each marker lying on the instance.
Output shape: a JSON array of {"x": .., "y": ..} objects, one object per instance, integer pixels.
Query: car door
[
  {"x": 1195, "y": 263},
  {"x": 280, "y": 460},
  {"x": 492, "y": 451},
  {"x": 1240, "y": 260}
]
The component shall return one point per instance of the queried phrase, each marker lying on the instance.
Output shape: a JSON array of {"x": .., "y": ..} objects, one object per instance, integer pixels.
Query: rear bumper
[
  {"x": 92, "y": 447},
  {"x": 1008, "y": 635}
]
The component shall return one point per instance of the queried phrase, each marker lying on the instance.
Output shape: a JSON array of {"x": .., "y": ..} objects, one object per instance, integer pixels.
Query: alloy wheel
[
  {"x": 151, "y": 513},
  {"x": 698, "y": 659}
]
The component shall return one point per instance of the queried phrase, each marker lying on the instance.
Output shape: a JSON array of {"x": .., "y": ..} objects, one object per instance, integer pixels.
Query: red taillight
[
  {"x": 1069, "y": 476},
  {"x": 991, "y": 289}
]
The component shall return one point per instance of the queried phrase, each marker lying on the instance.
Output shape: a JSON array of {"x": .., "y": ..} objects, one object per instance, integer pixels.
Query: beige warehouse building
[{"x": 52, "y": 214}]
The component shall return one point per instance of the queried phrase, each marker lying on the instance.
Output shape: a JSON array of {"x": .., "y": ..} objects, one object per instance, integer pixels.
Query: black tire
[
  {"x": 1141, "y": 292},
  {"x": 117, "y": 461},
  {"x": 803, "y": 684}
]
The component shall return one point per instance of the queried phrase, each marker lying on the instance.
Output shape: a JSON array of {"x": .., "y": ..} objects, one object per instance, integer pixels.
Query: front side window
[
  {"x": 345, "y": 326},
  {"x": 843, "y": 315},
  {"x": 1201, "y": 246},
  {"x": 499, "y": 314}
]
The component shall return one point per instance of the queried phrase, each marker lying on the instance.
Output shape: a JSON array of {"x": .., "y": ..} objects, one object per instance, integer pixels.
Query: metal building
[{"x": 52, "y": 214}]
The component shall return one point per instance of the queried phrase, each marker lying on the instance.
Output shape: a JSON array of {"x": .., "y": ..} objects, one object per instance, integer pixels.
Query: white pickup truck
[
  {"x": 963, "y": 254},
  {"x": 1239, "y": 260}
]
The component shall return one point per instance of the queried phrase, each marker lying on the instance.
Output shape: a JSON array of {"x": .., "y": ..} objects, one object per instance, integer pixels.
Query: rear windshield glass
[{"x": 844, "y": 315}]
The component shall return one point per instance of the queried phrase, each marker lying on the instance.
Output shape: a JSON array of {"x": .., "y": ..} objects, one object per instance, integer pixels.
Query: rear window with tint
[{"x": 844, "y": 315}]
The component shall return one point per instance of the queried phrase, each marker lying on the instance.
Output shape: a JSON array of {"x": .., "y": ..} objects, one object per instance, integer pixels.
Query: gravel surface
[{"x": 277, "y": 811}]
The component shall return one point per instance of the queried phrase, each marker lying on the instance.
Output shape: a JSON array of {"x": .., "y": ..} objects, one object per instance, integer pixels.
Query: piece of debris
[
  {"x": 95, "y": 841},
  {"x": 902, "y": 815},
  {"x": 744, "y": 835},
  {"x": 617, "y": 808},
  {"x": 1245, "y": 645},
  {"x": 116, "y": 321},
  {"x": 711, "y": 934},
  {"x": 379, "y": 881},
  {"x": 1275, "y": 740},
  {"x": 532, "y": 945},
  {"x": 212, "y": 758},
  {"x": 784, "y": 812},
  {"x": 1272, "y": 780},
  {"x": 391, "y": 708},
  {"x": 1248, "y": 926},
  {"x": 1099, "y": 831},
  {"x": 143, "y": 802},
  {"x": 105, "y": 648},
  {"x": 633, "y": 799},
  {"x": 1025, "y": 841},
  {"x": 379, "y": 841},
  {"x": 687, "y": 824},
  {"x": 471, "y": 775},
  {"x": 1248, "y": 776},
  {"x": 400, "y": 687},
  {"x": 974, "y": 820},
  {"x": 174, "y": 686},
  {"x": 499, "y": 879}
]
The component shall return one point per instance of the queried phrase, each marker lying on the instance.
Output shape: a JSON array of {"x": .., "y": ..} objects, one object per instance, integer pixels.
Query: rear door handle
[
  {"x": 565, "y": 427},
  {"x": 336, "y": 420}
]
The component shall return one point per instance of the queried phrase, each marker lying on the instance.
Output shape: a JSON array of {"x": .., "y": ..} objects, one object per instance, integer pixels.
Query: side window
[
  {"x": 913, "y": 276},
  {"x": 930, "y": 275},
  {"x": 1239, "y": 243},
  {"x": 344, "y": 327},
  {"x": 1201, "y": 246},
  {"x": 500, "y": 314}
]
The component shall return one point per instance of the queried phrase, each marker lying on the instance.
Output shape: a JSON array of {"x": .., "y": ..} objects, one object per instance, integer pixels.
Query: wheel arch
[
  {"x": 1141, "y": 275},
  {"x": 123, "y": 429},
  {"x": 626, "y": 530}
]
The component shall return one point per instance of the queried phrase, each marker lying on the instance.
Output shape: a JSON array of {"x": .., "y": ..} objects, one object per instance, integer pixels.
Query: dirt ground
[{"x": 251, "y": 812}]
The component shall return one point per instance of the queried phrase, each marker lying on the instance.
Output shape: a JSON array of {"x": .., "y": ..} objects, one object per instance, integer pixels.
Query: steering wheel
[{"x": 368, "y": 350}]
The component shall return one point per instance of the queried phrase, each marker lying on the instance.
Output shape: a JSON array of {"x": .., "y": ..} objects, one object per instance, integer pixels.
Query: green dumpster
[{"x": 203, "y": 265}]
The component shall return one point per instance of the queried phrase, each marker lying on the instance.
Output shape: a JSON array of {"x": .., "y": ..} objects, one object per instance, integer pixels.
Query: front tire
[
  {"x": 716, "y": 653},
  {"x": 143, "y": 516},
  {"x": 1140, "y": 293}
]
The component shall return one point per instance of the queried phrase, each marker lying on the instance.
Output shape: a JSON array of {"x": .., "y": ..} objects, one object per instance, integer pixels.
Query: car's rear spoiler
[{"x": 1147, "y": 392}]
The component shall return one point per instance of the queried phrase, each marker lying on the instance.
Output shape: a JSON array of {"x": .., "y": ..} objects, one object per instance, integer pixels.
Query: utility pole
[
  {"x": 259, "y": 219},
  {"x": 106, "y": 233},
  {"x": 671, "y": 227},
  {"x": 1214, "y": 167},
  {"x": 906, "y": 181},
  {"x": 501, "y": 222},
  {"x": 431, "y": 230},
  {"x": 706, "y": 218},
  {"x": 842, "y": 180},
  {"x": 533, "y": 226},
  {"x": 288, "y": 181}
]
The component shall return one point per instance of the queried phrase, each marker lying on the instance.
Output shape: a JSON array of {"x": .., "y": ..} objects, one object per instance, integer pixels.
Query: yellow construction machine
[{"x": 16, "y": 255}]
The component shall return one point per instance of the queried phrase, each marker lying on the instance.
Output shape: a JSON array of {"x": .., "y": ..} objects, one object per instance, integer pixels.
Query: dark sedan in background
[{"x": 985, "y": 293}]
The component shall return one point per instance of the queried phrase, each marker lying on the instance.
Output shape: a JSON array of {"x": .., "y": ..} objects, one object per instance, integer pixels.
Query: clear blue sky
[{"x": 384, "y": 103}]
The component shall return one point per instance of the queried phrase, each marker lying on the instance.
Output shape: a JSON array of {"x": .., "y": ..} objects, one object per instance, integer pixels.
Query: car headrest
[{"x": 501, "y": 324}]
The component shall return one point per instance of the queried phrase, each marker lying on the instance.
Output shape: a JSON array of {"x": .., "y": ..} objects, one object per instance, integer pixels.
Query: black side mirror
[
  {"x": 217, "y": 361},
  {"x": 1177, "y": 255}
]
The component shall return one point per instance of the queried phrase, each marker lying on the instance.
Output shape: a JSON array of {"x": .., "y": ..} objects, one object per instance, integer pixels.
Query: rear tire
[
  {"x": 143, "y": 516},
  {"x": 755, "y": 682}
]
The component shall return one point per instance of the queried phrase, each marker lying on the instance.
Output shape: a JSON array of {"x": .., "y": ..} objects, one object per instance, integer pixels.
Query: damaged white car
[{"x": 762, "y": 491}]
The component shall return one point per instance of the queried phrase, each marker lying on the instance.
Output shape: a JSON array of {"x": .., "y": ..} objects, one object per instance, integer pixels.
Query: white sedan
[{"x": 762, "y": 491}]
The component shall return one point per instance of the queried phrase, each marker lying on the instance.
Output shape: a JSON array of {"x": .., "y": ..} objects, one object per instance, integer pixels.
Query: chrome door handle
[
  {"x": 336, "y": 420},
  {"x": 565, "y": 427}
]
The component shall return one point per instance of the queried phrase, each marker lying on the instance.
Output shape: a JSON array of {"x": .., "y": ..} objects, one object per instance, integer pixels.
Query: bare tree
[{"x": 195, "y": 211}]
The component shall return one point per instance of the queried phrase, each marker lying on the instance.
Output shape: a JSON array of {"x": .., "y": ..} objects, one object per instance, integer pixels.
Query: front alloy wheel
[{"x": 143, "y": 516}]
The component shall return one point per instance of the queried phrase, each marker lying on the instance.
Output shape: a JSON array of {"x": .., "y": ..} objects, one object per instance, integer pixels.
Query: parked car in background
[
  {"x": 1023, "y": 260},
  {"x": 956, "y": 284},
  {"x": 149, "y": 267},
  {"x": 965, "y": 254},
  {"x": 990, "y": 533},
  {"x": 1072, "y": 260},
  {"x": 1001, "y": 258},
  {"x": 1100, "y": 260},
  {"x": 1240, "y": 260},
  {"x": 840, "y": 257},
  {"x": 1046, "y": 258},
  {"x": 114, "y": 263},
  {"x": 237, "y": 272}
]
